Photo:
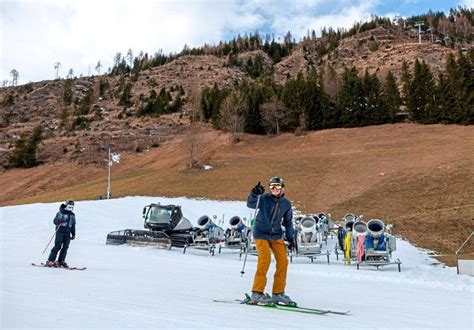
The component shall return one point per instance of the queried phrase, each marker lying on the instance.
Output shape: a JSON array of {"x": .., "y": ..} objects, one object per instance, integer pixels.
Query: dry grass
[{"x": 420, "y": 178}]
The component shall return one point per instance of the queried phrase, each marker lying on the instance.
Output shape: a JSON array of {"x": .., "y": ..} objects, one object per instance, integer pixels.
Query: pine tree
[
  {"x": 314, "y": 100},
  {"x": 350, "y": 99},
  {"x": 291, "y": 98},
  {"x": 392, "y": 97},
  {"x": 374, "y": 110},
  {"x": 461, "y": 89},
  {"x": 444, "y": 100},
  {"x": 420, "y": 103},
  {"x": 125, "y": 98},
  {"x": 253, "y": 96},
  {"x": 26, "y": 148},
  {"x": 406, "y": 81},
  {"x": 210, "y": 104},
  {"x": 67, "y": 92}
]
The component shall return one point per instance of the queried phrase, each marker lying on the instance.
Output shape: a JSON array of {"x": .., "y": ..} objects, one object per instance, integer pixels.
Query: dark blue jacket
[
  {"x": 273, "y": 213},
  {"x": 69, "y": 222}
]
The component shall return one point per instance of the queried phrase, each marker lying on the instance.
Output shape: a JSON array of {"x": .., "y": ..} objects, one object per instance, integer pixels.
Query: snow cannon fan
[
  {"x": 375, "y": 227},
  {"x": 360, "y": 228}
]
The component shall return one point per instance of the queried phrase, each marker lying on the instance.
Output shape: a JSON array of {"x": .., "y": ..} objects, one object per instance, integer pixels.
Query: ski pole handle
[
  {"x": 242, "y": 272},
  {"x": 51, "y": 239}
]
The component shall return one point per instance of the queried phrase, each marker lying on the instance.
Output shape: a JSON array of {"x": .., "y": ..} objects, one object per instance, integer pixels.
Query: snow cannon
[
  {"x": 297, "y": 220},
  {"x": 308, "y": 237},
  {"x": 322, "y": 217},
  {"x": 236, "y": 222},
  {"x": 349, "y": 217},
  {"x": 349, "y": 225},
  {"x": 309, "y": 224},
  {"x": 359, "y": 228},
  {"x": 207, "y": 234},
  {"x": 308, "y": 231},
  {"x": 375, "y": 227},
  {"x": 237, "y": 233},
  {"x": 204, "y": 222}
]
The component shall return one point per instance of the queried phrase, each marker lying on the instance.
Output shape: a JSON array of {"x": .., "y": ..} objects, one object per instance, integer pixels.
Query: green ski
[{"x": 295, "y": 308}]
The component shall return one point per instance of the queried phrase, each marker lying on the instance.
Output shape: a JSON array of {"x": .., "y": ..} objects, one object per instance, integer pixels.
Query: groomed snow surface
[{"x": 142, "y": 287}]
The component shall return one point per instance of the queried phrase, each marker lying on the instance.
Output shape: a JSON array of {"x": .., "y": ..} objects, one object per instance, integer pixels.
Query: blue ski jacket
[
  {"x": 68, "y": 219},
  {"x": 272, "y": 214}
]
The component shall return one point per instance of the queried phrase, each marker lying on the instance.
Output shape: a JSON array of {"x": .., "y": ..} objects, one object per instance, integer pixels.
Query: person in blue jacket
[
  {"x": 274, "y": 210},
  {"x": 65, "y": 222}
]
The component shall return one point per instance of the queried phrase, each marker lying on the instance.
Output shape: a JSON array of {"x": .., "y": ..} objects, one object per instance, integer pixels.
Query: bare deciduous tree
[
  {"x": 193, "y": 144},
  {"x": 274, "y": 114},
  {"x": 194, "y": 100},
  {"x": 56, "y": 67},
  {"x": 231, "y": 112}
]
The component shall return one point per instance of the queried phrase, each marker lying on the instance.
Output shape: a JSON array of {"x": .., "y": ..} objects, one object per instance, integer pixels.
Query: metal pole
[
  {"x": 108, "y": 185},
  {"x": 460, "y": 248},
  {"x": 242, "y": 272},
  {"x": 51, "y": 239}
]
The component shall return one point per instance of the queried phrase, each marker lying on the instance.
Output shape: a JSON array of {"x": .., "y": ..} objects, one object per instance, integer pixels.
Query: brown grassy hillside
[{"x": 418, "y": 177}]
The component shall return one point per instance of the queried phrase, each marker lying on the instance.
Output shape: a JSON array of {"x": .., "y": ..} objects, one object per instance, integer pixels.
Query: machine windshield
[{"x": 158, "y": 214}]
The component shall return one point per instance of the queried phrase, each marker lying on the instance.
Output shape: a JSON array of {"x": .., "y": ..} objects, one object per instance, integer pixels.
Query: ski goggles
[{"x": 275, "y": 186}]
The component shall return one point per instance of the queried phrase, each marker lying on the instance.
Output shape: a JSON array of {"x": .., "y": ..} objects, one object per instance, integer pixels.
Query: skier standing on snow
[
  {"x": 274, "y": 210},
  {"x": 65, "y": 222}
]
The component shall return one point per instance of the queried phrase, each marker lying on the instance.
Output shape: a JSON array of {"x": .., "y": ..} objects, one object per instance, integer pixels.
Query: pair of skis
[
  {"x": 68, "y": 268},
  {"x": 297, "y": 309}
]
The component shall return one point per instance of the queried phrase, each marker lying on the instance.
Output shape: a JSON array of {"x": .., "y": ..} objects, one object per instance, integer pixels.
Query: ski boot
[
  {"x": 51, "y": 263},
  {"x": 259, "y": 298},
  {"x": 283, "y": 299},
  {"x": 63, "y": 264}
]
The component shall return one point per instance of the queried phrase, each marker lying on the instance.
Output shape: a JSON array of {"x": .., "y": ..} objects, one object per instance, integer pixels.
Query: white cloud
[
  {"x": 35, "y": 35},
  {"x": 467, "y": 3}
]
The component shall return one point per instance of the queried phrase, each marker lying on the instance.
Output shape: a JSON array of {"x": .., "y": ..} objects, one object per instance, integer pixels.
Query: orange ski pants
[{"x": 264, "y": 258}]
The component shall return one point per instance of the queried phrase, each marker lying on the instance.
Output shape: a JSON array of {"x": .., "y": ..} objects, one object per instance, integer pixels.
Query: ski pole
[
  {"x": 51, "y": 238},
  {"x": 242, "y": 272}
]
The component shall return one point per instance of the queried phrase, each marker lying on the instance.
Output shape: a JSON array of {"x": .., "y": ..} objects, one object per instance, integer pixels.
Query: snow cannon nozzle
[
  {"x": 359, "y": 228},
  {"x": 204, "y": 222},
  {"x": 308, "y": 225},
  {"x": 375, "y": 227},
  {"x": 235, "y": 222},
  {"x": 349, "y": 225}
]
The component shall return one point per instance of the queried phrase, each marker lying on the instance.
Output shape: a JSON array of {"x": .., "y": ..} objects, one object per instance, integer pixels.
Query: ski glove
[
  {"x": 73, "y": 236},
  {"x": 258, "y": 189},
  {"x": 291, "y": 245}
]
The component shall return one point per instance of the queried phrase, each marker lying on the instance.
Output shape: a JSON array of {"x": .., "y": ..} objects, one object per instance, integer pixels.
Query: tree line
[
  {"x": 456, "y": 24},
  {"x": 302, "y": 104}
]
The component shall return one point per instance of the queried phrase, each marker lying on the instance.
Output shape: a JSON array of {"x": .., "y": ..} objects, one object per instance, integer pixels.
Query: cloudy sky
[{"x": 36, "y": 34}]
